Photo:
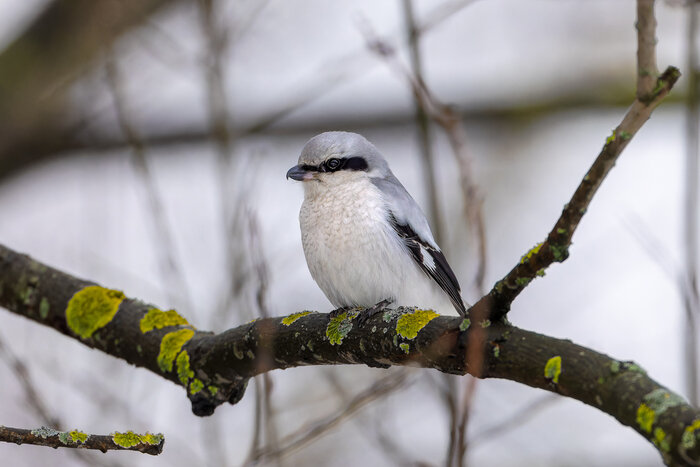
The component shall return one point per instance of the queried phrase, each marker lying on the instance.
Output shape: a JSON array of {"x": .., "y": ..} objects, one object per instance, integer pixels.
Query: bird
[{"x": 366, "y": 241}]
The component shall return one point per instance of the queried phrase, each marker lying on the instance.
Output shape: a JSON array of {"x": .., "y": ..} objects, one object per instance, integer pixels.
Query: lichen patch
[
  {"x": 552, "y": 369},
  {"x": 288, "y": 320},
  {"x": 170, "y": 347},
  {"x": 646, "y": 416},
  {"x": 409, "y": 324},
  {"x": 91, "y": 309},
  {"x": 158, "y": 319},
  {"x": 130, "y": 439},
  {"x": 340, "y": 326}
]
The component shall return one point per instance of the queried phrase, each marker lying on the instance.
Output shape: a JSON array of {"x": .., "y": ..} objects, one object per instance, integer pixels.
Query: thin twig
[
  {"x": 689, "y": 289},
  {"x": 28, "y": 387},
  {"x": 555, "y": 248},
  {"x": 422, "y": 123},
  {"x": 516, "y": 420},
  {"x": 130, "y": 441},
  {"x": 646, "y": 50},
  {"x": 173, "y": 280},
  {"x": 450, "y": 122},
  {"x": 37, "y": 404},
  {"x": 458, "y": 407},
  {"x": 307, "y": 434}
]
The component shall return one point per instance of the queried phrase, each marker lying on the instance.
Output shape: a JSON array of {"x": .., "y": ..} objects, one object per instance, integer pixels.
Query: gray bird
[{"x": 365, "y": 239}]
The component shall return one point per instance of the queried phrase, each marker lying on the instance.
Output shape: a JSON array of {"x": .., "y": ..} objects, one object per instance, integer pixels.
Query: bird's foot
[{"x": 367, "y": 313}]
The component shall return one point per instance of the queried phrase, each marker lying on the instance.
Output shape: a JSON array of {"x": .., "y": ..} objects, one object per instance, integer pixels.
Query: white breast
[{"x": 354, "y": 254}]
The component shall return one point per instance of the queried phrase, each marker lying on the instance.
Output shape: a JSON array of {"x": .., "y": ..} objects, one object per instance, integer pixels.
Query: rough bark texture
[{"x": 214, "y": 368}]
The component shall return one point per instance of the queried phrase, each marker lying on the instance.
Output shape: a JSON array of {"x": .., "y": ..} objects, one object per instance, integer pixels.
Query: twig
[
  {"x": 450, "y": 122},
  {"x": 516, "y": 420},
  {"x": 173, "y": 280},
  {"x": 28, "y": 388},
  {"x": 646, "y": 50},
  {"x": 555, "y": 248},
  {"x": 307, "y": 434},
  {"x": 37, "y": 404},
  {"x": 129, "y": 441},
  {"x": 422, "y": 123},
  {"x": 458, "y": 407},
  {"x": 689, "y": 284}
]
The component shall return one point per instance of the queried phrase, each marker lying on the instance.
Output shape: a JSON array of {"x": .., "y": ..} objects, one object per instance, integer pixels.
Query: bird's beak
[{"x": 299, "y": 173}]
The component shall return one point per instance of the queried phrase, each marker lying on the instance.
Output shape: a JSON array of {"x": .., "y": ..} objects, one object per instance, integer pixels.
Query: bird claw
[{"x": 367, "y": 313}]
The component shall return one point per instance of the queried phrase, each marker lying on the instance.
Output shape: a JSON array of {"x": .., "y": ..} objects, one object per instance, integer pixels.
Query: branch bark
[
  {"x": 215, "y": 367},
  {"x": 129, "y": 441}
]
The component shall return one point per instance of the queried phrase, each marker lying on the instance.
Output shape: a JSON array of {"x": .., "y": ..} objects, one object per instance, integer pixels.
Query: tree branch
[
  {"x": 129, "y": 441},
  {"x": 555, "y": 248},
  {"x": 215, "y": 367},
  {"x": 37, "y": 67},
  {"x": 650, "y": 92}
]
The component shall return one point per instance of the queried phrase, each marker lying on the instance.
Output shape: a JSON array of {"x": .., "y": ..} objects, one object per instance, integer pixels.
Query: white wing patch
[{"x": 428, "y": 260}]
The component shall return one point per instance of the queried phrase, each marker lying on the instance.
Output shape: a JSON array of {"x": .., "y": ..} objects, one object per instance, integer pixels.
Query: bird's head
[{"x": 338, "y": 157}]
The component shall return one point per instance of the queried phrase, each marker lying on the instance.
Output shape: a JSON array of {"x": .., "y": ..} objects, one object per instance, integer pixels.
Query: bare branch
[
  {"x": 423, "y": 125},
  {"x": 37, "y": 67},
  {"x": 173, "y": 279},
  {"x": 129, "y": 441},
  {"x": 646, "y": 50},
  {"x": 314, "y": 430},
  {"x": 516, "y": 420},
  {"x": 689, "y": 284}
]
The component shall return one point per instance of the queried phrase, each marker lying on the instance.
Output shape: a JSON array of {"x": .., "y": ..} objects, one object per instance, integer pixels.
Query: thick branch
[{"x": 215, "y": 367}]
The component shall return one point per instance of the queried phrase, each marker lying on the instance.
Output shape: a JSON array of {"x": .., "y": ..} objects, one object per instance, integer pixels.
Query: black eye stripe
[
  {"x": 356, "y": 163},
  {"x": 350, "y": 163},
  {"x": 335, "y": 164}
]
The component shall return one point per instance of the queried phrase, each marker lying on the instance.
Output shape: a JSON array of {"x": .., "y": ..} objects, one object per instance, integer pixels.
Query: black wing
[{"x": 432, "y": 262}]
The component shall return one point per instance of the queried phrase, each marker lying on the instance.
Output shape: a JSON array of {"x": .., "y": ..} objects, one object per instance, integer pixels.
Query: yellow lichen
[
  {"x": 409, "y": 324},
  {"x": 184, "y": 372},
  {"x": 78, "y": 436},
  {"x": 91, "y": 309},
  {"x": 660, "y": 440},
  {"x": 293, "y": 317},
  {"x": 196, "y": 385},
  {"x": 646, "y": 416},
  {"x": 689, "y": 438},
  {"x": 129, "y": 439},
  {"x": 158, "y": 319},
  {"x": 170, "y": 347},
  {"x": 552, "y": 369},
  {"x": 533, "y": 251}
]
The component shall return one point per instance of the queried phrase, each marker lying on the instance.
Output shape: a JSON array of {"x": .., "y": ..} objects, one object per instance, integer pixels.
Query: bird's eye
[{"x": 333, "y": 164}]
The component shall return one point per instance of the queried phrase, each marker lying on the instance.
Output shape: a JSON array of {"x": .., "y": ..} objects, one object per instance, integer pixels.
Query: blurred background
[{"x": 144, "y": 145}]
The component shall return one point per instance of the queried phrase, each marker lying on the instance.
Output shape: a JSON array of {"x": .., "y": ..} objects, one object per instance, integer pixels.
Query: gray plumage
[{"x": 365, "y": 239}]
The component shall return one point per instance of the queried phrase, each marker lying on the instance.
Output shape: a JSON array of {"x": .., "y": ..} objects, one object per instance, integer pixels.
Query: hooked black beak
[{"x": 297, "y": 173}]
